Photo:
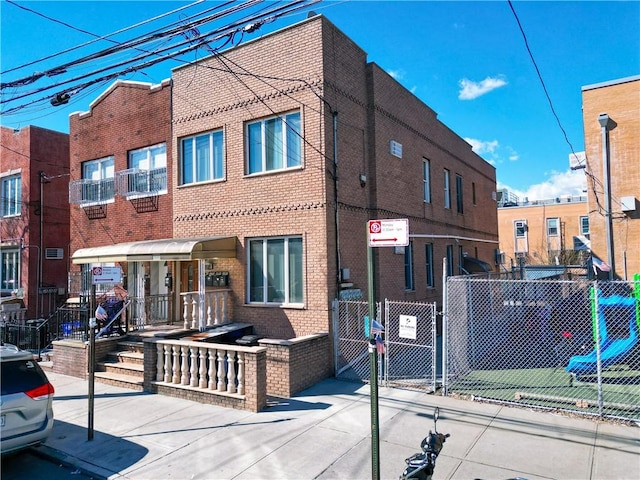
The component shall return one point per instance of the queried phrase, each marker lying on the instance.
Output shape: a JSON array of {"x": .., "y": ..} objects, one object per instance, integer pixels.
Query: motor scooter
[{"x": 421, "y": 465}]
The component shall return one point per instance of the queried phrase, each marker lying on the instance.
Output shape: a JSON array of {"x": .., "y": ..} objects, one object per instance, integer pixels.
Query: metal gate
[{"x": 409, "y": 339}]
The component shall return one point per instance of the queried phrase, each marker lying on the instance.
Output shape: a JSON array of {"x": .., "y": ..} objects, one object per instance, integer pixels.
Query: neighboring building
[
  {"x": 121, "y": 177},
  {"x": 34, "y": 225},
  {"x": 284, "y": 148},
  {"x": 620, "y": 101},
  {"x": 543, "y": 232}
]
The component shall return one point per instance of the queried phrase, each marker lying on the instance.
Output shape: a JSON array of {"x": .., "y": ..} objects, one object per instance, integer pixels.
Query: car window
[{"x": 21, "y": 376}]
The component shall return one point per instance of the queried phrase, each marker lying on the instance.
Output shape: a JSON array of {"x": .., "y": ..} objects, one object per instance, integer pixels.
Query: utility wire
[
  {"x": 140, "y": 40},
  {"x": 588, "y": 172},
  {"x": 252, "y": 23}
]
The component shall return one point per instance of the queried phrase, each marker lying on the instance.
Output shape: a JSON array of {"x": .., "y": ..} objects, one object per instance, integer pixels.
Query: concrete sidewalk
[{"x": 324, "y": 433}]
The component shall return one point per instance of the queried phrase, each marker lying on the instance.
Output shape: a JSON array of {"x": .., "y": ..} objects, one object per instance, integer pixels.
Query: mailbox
[{"x": 217, "y": 279}]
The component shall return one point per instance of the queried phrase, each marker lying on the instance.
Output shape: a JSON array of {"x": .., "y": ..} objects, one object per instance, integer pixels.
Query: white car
[{"x": 26, "y": 404}]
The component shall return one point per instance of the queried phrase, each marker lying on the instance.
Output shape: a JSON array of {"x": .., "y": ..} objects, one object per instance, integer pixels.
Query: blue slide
[{"x": 612, "y": 350}]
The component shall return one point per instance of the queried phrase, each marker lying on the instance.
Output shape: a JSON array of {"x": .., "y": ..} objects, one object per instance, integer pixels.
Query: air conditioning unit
[{"x": 53, "y": 253}]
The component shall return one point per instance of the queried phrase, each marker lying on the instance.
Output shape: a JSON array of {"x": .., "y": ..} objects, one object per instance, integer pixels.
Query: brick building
[
  {"x": 543, "y": 232},
  {"x": 297, "y": 202},
  {"x": 34, "y": 225},
  {"x": 283, "y": 147},
  {"x": 619, "y": 102},
  {"x": 120, "y": 153}
]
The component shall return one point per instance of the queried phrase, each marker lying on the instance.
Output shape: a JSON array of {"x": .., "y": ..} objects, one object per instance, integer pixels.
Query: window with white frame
[
  {"x": 10, "y": 271},
  {"x": 520, "y": 228},
  {"x": 275, "y": 271},
  {"x": 148, "y": 169},
  {"x": 202, "y": 158},
  {"x": 447, "y": 188},
  {"x": 98, "y": 180},
  {"x": 428, "y": 250},
  {"x": 426, "y": 180},
  {"x": 553, "y": 227},
  {"x": 408, "y": 267},
  {"x": 584, "y": 226},
  {"x": 11, "y": 195},
  {"x": 274, "y": 143}
]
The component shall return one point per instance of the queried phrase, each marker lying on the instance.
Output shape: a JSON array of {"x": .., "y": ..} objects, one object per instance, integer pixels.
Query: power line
[{"x": 251, "y": 23}]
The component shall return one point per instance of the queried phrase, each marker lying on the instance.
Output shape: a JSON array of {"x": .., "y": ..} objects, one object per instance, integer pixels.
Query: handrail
[{"x": 106, "y": 328}]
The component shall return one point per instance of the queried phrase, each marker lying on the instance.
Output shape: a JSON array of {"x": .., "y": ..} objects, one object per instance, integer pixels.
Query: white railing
[
  {"x": 138, "y": 183},
  {"x": 216, "y": 308},
  {"x": 214, "y": 367}
]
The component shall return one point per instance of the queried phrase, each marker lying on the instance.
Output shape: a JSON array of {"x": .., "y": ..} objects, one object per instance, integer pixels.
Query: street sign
[
  {"x": 389, "y": 233},
  {"x": 104, "y": 275}
]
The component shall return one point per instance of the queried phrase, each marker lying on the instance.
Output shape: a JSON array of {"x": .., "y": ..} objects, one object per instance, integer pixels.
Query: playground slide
[{"x": 612, "y": 352}]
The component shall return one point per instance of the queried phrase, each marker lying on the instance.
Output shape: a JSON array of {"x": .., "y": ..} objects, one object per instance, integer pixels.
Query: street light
[{"x": 607, "y": 124}]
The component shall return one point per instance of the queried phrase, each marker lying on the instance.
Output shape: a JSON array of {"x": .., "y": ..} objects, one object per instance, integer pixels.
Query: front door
[{"x": 189, "y": 276}]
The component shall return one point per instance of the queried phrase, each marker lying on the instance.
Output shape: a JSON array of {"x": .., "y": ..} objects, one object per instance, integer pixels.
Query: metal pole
[
  {"x": 92, "y": 363},
  {"x": 596, "y": 295},
  {"x": 373, "y": 371},
  {"x": 607, "y": 124},
  {"x": 445, "y": 326}
]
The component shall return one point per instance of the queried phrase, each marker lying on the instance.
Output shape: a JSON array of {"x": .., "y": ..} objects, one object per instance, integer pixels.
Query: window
[
  {"x": 520, "y": 228},
  {"x": 459, "y": 206},
  {"x": 426, "y": 180},
  {"x": 473, "y": 192},
  {"x": 408, "y": 267},
  {"x": 202, "y": 158},
  {"x": 584, "y": 226},
  {"x": 449, "y": 260},
  {"x": 148, "y": 169},
  {"x": 11, "y": 196},
  {"x": 10, "y": 270},
  {"x": 275, "y": 270},
  {"x": 428, "y": 250},
  {"x": 274, "y": 144},
  {"x": 461, "y": 270},
  {"x": 98, "y": 180},
  {"x": 447, "y": 189},
  {"x": 552, "y": 227}
]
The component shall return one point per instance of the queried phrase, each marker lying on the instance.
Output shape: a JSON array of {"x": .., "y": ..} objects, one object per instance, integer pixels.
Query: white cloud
[
  {"x": 481, "y": 147},
  {"x": 559, "y": 184},
  {"x": 397, "y": 74},
  {"x": 470, "y": 90}
]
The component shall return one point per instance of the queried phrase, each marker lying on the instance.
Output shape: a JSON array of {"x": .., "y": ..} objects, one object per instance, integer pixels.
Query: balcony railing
[
  {"x": 138, "y": 183},
  {"x": 91, "y": 192},
  {"x": 131, "y": 183}
]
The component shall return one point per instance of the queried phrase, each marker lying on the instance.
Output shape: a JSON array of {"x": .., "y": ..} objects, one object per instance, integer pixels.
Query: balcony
[
  {"x": 88, "y": 192},
  {"x": 136, "y": 183}
]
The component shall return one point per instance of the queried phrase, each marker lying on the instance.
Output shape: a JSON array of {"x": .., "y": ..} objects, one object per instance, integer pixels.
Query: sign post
[{"x": 380, "y": 233}]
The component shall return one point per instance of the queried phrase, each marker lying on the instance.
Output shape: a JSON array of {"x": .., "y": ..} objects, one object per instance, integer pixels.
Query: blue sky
[{"x": 467, "y": 60}]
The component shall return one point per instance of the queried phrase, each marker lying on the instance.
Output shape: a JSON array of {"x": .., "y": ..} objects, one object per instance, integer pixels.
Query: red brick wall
[
  {"x": 33, "y": 150},
  {"x": 129, "y": 115}
]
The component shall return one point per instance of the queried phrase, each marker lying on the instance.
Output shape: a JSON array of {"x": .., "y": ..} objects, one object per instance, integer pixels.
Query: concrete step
[
  {"x": 131, "y": 346},
  {"x": 120, "y": 380},
  {"x": 126, "y": 356},
  {"x": 122, "y": 368}
]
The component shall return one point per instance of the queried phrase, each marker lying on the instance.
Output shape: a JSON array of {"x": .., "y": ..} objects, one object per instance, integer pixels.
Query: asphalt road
[{"x": 32, "y": 465}]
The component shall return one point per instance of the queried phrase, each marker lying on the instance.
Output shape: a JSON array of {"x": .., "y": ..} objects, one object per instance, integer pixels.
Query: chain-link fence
[
  {"x": 534, "y": 343},
  {"x": 409, "y": 338}
]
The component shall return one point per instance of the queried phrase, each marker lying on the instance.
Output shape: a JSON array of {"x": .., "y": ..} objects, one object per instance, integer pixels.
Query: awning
[
  {"x": 475, "y": 265},
  {"x": 170, "y": 249}
]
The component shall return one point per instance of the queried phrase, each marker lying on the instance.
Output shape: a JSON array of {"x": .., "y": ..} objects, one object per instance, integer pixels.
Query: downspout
[{"x": 335, "y": 199}]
